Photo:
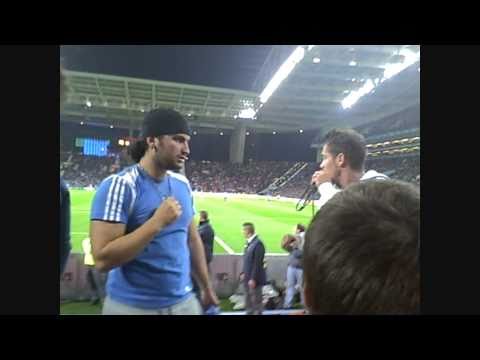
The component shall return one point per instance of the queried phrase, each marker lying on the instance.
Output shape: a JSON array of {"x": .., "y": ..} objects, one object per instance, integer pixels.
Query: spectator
[
  {"x": 207, "y": 235},
  {"x": 254, "y": 270},
  {"x": 294, "y": 245},
  {"x": 142, "y": 227},
  {"x": 361, "y": 253}
]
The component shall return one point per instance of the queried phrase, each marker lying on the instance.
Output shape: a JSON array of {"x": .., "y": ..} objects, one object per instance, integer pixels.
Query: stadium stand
[
  {"x": 406, "y": 168},
  {"x": 80, "y": 171},
  {"x": 249, "y": 178},
  {"x": 404, "y": 122}
]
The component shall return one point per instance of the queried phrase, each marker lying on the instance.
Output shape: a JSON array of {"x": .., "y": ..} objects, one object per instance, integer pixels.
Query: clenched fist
[{"x": 169, "y": 211}]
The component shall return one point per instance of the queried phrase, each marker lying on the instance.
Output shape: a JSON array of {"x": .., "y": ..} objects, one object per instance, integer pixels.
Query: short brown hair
[
  {"x": 250, "y": 227},
  {"x": 349, "y": 142},
  {"x": 361, "y": 253}
]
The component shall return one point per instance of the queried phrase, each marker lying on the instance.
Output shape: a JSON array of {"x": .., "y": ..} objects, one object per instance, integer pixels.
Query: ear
[
  {"x": 340, "y": 160},
  {"x": 150, "y": 140}
]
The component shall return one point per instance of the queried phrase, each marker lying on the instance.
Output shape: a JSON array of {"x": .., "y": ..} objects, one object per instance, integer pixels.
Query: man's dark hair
[
  {"x": 361, "y": 253},
  {"x": 250, "y": 227},
  {"x": 301, "y": 227},
  {"x": 137, "y": 149},
  {"x": 156, "y": 123},
  {"x": 349, "y": 142},
  {"x": 204, "y": 214}
]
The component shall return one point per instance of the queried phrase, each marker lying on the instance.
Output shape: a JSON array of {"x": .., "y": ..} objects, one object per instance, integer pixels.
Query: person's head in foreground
[{"x": 361, "y": 253}]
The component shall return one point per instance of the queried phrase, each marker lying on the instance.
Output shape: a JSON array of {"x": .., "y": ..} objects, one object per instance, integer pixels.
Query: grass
[
  {"x": 80, "y": 308},
  {"x": 272, "y": 219}
]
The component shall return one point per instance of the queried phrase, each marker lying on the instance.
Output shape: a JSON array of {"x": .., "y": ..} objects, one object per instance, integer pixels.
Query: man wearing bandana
[{"x": 143, "y": 231}]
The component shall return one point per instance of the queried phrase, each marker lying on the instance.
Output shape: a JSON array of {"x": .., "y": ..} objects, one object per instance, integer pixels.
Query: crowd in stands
[
  {"x": 405, "y": 168},
  {"x": 81, "y": 171},
  {"x": 250, "y": 178}
]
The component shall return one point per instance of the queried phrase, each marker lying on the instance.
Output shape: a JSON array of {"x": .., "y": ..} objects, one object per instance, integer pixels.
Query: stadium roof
[
  {"x": 327, "y": 74},
  {"x": 119, "y": 101},
  {"x": 309, "y": 98},
  {"x": 225, "y": 66}
]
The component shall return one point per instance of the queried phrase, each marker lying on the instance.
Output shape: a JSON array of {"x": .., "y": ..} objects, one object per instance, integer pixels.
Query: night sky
[{"x": 228, "y": 66}]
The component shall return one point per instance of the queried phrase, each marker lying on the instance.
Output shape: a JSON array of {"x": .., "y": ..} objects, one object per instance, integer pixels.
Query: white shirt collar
[
  {"x": 372, "y": 174},
  {"x": 249, "y": 240}
]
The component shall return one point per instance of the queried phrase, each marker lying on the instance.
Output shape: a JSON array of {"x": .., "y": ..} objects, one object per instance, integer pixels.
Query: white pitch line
[{"x": 225, "y": 247}]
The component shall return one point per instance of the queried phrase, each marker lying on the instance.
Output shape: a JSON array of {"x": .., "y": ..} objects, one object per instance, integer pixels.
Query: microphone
[
  {"x": 311, "y": 190},
  {"x": 307, "y": 196}
]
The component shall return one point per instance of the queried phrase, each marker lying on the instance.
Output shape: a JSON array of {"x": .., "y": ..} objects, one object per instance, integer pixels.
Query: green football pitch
[{"x": 272, "y": 220}]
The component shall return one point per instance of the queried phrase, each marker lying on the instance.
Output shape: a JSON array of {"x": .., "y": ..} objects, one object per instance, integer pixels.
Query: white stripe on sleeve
[
  {"x": 113, "y": 208},
  {"x": 120, "y": 202},
  {"x": 109, "y": 198}
]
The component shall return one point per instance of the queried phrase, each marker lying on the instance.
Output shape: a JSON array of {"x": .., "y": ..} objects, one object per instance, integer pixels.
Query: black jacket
[
  {"x": 65, "y": 246},
  {"x": 253, "y": 262},
  {"x": 207, "y": 234}
]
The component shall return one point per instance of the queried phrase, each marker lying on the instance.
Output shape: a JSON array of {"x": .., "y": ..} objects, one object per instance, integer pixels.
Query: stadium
[{"x": 253, "y": 148}]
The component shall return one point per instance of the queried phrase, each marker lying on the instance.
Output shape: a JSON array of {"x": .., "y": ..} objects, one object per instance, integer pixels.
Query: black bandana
[{"x": 164, "y": 122}]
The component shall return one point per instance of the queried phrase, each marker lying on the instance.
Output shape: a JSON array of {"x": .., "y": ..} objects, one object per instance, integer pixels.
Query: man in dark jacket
[
  {"x": 207, "y": 234},
  {"x": 64, "y": 240},
  {"x": 254, "y": 269}
]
